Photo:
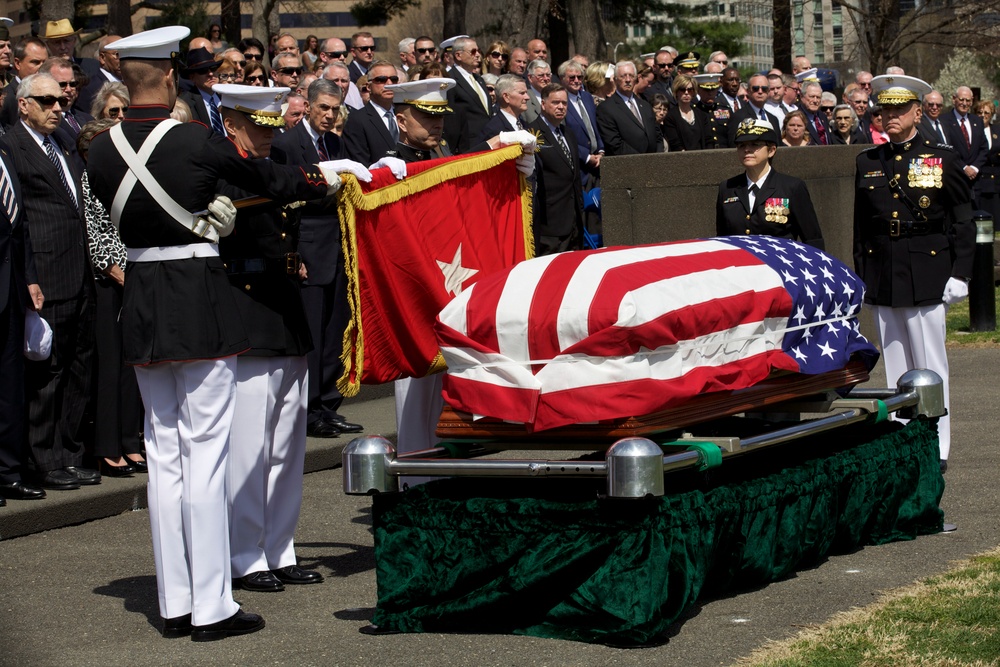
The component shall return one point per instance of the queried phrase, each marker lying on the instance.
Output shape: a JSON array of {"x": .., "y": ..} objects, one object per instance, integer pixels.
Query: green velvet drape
[{"x": 549, "y": 558}]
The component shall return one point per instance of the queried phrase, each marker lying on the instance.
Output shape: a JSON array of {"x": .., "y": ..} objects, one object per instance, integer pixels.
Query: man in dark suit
[
  {"x": 512, "y": 100},
  {"x": 558, "y": 208},
  {"x": 469, "y": 98},
  {"x": 62, "y": 72},
  {"x": 363, "y": 54},
  {"x": 816, "y": 121},
  {"x": 582, "y": 119},
  {"x": 626, "y": 123},
  {"x": 753, "y": 108},
  {"x": 371, "y": 133},
  {"x": 58, "y": 388},
  {"x": 19, "y": 290},
  {"x": 29, "y": 54},
  {"x": 539, "y": 75},
  {"x": 200, "y": 71},
  {"x": 110, "y": 70},
  {"x": 61, "y": 40},
  {"x": 930, "y": 125},
  {"x": 324, "y": 293},
  {"x": 964, "y": 132},
  {"x": 663, "y": 69}
]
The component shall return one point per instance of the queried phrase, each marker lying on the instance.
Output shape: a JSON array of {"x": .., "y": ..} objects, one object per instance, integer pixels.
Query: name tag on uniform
[{"x": 731, "y": 200}]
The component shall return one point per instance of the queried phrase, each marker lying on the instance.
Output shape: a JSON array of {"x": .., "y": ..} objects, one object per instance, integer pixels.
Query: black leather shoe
[
  {"x": 262, "y": 582},
  {"x": 345, "y": 426},
  {"x": 140, "y": 466},
  {"x": 60, "y": 480},
  {"x": 321, "y": 428},
  {"x": 293, "y": 574},
  {"x": 3, "y": 502},
  {"x": 240, "y": 623},
  {"x": 21, "y": 491},
  {"x": 944, "y": 466},
  {"x": 86, "y": 476},
  {"x": 178, "y": 626},
  {"x": 116, "y": 471}
]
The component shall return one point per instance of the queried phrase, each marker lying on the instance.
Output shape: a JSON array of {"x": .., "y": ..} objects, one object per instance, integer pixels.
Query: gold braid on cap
[
  {"x": 263, "y": 118},
  {"x": 429, "y": 106},
  {"x": 749, "y": 126},
  {"x": 896, "y": 96}
]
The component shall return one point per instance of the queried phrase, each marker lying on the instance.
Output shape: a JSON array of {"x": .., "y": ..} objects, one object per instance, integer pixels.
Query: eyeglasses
[
  {"x": 427, "y": 49},
  {"x": 49, "y": 100},
  {"x": 365, "y": 48},
  {"x": 965, "y": 100},
  {"x": 384, "y": 79},
  {"x": 490, "y": 89},
  {"x": 227, "y": 77},
  {"x": 289, "y": 71},
  {"x": 543, "y": 75},
  {"x": 335, "y": 54},
  {"x": 113, "y": 112},
  {"x": 364, "y": 90},
  {"x": 472, "y": 52},
  {"x": 256, "y": 78},
  {"x": 497, "y": 54},
  {"x": 826, "y": 109},
  {"x": 664, "y": 65},
  {"x": 933, "y": 104},
  {"x": 253, "y": 56},
  {"x": 877, "y": 114},
  {"x": 759, "y": 89},
  {"x": 574, "y": 77},
  {"x": 68, "y": 84},
  {"x": 689, "y": 91},
  {"x": 721, "y": 62},
  {"x": 237, "y": 63}
]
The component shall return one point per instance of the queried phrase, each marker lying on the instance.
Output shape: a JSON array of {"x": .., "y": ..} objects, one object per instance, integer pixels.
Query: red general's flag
[{"x": 411, "y": 246}]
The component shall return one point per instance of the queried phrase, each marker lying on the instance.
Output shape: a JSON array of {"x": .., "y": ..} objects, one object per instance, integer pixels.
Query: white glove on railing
[
  {"x": 954, "y": 291},
  {"x": 221, "y": 215},
  {"x": 523, "y": 137},
  {"x": 349, "y": 166},
  {"x": 396, "y": 166}
]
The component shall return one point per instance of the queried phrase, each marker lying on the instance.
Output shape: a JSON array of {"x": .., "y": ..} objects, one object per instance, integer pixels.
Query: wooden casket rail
[{"x": 776, "y": 389}]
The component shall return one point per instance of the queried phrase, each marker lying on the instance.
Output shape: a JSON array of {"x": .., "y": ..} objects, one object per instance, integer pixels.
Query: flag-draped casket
[{"x": 618, "y": 332}]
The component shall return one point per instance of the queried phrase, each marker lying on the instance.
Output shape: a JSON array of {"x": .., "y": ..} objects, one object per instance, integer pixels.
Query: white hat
[
  {"x": 157, "y": 44},
  {"x": 262, "y": 105},
  {"x": 450, "y": 42},
  {"x": 428, "y": 95},
  {"x": 37, "y": 337},
  {"x": 896, "y": 89},
  {"x": 6, "y": 21},
  {"x": 708, "y": 81},
  {"x": 807, "y": 75}
]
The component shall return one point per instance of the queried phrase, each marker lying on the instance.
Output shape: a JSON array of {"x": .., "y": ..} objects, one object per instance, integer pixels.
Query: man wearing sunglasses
[
  {"x": 469, "y": 98},
  {"x": 58, "y": 388},
  {"x": 754, "y": 107},
  {"x": 371, "y": 133},
  {"x": 204, "y": 103},
  {"x": 426, "y": 50},
  {"x": 73, "y": 118},
  {"x": 110, "y": 70},
  {"x": 663, "y": 69},
  {"x": 286, "y": 68},
  {"x": 363, "y": 54}
]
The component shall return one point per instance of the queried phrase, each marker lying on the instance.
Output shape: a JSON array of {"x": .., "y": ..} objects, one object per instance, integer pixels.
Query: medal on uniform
[
  {"x": 777, "y": 210},
  {"x": 924, "y": 201}
]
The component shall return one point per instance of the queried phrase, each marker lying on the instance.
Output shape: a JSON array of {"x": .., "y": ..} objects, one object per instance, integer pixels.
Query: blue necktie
[{"x": 213, "y": 110}]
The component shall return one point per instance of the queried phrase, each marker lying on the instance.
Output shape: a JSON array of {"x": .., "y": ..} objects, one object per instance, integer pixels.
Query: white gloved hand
[
  {"x": 221, "y": 215},
  {"x": 526, "y": 164},
  {"x": 954, "y": 291},
  {"x": 396, "y": 166},
  {"x": 349, "y": 166},
  {"x": 523, "y": 137}
]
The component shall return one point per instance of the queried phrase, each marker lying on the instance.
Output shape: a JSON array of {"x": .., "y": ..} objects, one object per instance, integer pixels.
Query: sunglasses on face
[
  {"x": 364, "y": 90},
  {"x": 689, "y": 91},
  {"x": 497, "y": 54},
  {"x": 664, "y": 65},
  {"x": 46, "y": 101},
  {"x": 826, "y": 109},
  {"x": 257, "y": 78},
  {"x": 472, "y": 52},
  {"x": 427, "y": 49},
  {"x": 759, "y": 89},
  {"x": 385, "y": 79},
  {"x": 335, "y": 54},
  {"x": 290, "y": 71},
  {"x": 490, "y": 89},
  {"x": 253, "y": 56},
  {"x": 113, "y": 112},
  {"x": 574, "y": 77},
  {"x": 227, "y": 77},
  {"x": 68, "y": 84},
  {"x": 364, "y": 48},
  {"x": 933, "y": 104}
]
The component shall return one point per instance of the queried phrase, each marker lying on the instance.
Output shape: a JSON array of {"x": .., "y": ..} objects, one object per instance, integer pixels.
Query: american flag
[{"x": 620, "y": 332}]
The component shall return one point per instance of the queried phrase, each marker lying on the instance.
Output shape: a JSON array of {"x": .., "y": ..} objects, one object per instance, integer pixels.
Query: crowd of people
[{"x": 138, "y": 346}]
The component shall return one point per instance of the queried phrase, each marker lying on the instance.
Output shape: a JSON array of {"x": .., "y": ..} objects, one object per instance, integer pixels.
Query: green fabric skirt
[{"x": 552, "y": 558}]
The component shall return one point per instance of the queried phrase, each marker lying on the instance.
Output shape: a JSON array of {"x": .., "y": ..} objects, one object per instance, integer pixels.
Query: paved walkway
[{"x": 85, "y": 594}]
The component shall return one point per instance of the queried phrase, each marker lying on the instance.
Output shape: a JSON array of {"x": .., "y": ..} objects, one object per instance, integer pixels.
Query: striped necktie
[
  {"x": 213, "y": 110},
  {"x": 50, "y": 150},
  {"x": 7, "y": 197}
]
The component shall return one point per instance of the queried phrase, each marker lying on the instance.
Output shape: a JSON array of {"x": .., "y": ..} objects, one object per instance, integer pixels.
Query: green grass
[
  {"x": 949, "y": 620},
  {"x": 958, "y": 327}
]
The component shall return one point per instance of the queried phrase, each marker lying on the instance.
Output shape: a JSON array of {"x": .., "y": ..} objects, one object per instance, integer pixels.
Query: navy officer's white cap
[
  {"x": 157, "y": 44},
  {"x": 450, "y": 42},
  {"x": 428, "y": 95},
  {"x": 898, "y": 89},
  {"x": 708, "y": 81},
  {"x": 262, "y": 105},
  {"x": 4, "y": 21},
  {"x": 810, "y": 75}
]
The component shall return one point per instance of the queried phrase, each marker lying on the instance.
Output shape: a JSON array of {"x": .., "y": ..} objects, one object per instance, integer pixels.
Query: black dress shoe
[
  {"x": 345, "y": 426},
  {"x": 3, "y": 502},
  {"x": 178, "y": 626},
  {"x": 21, "y": 491},
  {"x": 140, "y": 466},
  {"x": 262, "y": 582},
  {"x": 86, "y": 476},
  {"x": 116, "y": 471},
  {"x": 293, "y": 574},
  {"x": 60, "y": 480},
  {"x": 321, "y": 428},
  {"x": 944, "y": 466},
  {"x": 240, "y": 623}
]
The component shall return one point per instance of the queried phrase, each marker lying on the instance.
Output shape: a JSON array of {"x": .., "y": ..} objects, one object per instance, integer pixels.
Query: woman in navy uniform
[
  {"x": 914, "y": 238},
  {"x": 760, "y": 200}
]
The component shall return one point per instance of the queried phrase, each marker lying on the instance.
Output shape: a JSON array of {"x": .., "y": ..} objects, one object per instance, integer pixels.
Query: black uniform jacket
[
  {"x": 183, "y": 310},
  {"x": 903, "y": 261},
  {"x": 717, "y": 129},
  {"x": 989, "y": 176},
  {"x": 734, "y": 217},
  {"x": 259, "y": 257}
]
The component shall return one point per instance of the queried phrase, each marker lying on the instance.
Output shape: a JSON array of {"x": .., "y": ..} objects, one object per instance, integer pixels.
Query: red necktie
[
  {"x": 965, "y": 133},
  {"x": 820, "y": 130}
]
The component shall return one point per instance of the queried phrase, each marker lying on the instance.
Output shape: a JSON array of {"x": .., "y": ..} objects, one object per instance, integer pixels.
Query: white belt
[{"x": 166, "y": 253}]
